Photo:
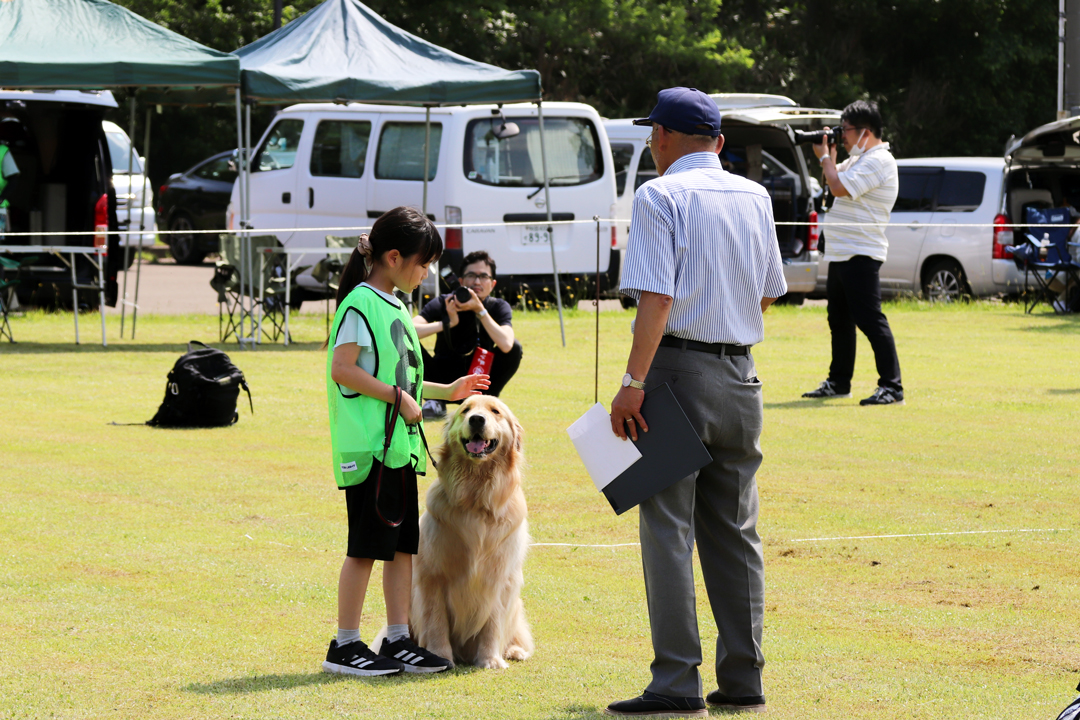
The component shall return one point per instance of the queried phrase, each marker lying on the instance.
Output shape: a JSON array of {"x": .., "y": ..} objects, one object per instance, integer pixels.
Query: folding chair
[
  {"x": 328, "y": 270},
  {"x": 267, "y": 287},
  {"x": 1044, "y": 256},
  {"x": 7, "y": 290}
]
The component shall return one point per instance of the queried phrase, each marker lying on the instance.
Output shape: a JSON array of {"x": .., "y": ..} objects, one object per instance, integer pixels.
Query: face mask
[{"x": 856, "y": 151}]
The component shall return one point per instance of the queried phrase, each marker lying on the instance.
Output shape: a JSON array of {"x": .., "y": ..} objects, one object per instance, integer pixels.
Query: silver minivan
[
  {"x": 949, "y": 234},
  {"x": 759, "y": 144}
]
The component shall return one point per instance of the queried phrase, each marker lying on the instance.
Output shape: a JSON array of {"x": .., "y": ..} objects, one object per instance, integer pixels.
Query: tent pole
[
  {"x": 131, "y": 153},
  {"x": 247, "y": 219},
  {"x": 550, "y": 229},
  {"x": 427, "y": 152},
  {"x": 142, "y": 220},
  {"x": 241, "y": 191}
]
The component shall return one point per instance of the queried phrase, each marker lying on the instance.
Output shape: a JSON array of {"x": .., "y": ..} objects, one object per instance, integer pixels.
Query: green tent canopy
[
  {"x": 93, "y": 44},
  {"x": 342, "y": 51}
]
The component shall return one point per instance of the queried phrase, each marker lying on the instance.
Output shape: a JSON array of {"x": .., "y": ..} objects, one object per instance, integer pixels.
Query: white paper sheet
[{"x": 605, "y": 454}]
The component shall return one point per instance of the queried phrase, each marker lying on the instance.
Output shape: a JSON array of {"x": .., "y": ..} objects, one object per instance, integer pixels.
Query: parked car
[
  {"x": 197, "y": 200},
  {"x": 325, "y": 165},
  {"x": 134, "y": 208},
  {"x": 759, "y": 143},
  {"x": 64, "y": 185}
]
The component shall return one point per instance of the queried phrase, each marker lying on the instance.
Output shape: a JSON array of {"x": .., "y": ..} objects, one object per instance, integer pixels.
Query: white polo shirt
[{"x": 872, "y": 182}]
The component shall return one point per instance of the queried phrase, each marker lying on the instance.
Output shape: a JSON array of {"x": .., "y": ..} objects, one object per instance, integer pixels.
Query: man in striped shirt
[
  {"x": 865, "y": 187},
  {"x": 703, "y": 263}
]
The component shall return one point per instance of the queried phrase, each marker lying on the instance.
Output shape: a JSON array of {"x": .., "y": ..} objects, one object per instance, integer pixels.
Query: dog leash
[{"x": 392, "y": 412}]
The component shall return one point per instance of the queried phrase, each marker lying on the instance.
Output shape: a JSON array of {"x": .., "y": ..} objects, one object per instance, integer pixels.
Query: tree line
[{"x": 952, "y": 77}]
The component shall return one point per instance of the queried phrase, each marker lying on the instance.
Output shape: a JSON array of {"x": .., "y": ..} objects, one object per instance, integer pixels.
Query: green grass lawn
[{"x": 192, "y": 574}]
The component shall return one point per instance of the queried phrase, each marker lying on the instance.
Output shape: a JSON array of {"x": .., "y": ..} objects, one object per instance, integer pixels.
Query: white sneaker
[{"x": 434, "y": 410}]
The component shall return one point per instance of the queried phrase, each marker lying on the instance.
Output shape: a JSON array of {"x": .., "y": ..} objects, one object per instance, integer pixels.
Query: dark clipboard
[{"x": 670, "y": 451}]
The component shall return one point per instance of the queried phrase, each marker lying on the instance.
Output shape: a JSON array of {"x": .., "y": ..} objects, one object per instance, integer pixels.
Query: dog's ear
[{"x": 518, "y": 432}]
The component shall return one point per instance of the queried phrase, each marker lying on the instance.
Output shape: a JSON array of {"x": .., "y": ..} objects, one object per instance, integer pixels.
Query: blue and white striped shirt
[{"x": 706, "y": 238}]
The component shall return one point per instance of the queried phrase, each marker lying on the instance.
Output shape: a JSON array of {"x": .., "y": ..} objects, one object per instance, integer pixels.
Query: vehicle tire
[
  {"x": 944, "y": 281},
  {"x": 628, "y": 303},
  {"x": 184, "y": 247}
]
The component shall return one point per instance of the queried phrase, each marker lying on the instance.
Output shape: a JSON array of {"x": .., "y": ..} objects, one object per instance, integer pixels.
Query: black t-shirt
[{"x": 468, "y": 333}]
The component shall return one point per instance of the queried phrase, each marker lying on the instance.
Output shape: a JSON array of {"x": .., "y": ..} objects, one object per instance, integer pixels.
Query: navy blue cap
[{"x": 685, "y": 110}]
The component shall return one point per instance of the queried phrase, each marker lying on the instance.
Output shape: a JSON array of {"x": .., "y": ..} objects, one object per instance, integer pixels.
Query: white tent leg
[
  {"x": 242, "y": 191},
  {"x": 427, "y": 153},
  {"x": 142, "y": 221},
  {"x": 551, "y": 230},
  {"x": 131, "y": 153}
]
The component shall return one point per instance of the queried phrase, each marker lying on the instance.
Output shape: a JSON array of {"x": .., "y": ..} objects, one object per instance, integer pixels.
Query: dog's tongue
[{"x": 476, "y": 446}]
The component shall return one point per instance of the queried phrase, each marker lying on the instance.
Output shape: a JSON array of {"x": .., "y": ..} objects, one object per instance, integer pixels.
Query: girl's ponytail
[{"x": 356, "y": 269}]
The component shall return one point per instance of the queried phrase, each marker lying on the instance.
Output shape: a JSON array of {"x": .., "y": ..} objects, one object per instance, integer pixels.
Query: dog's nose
[{"x": 476, "y": 422}]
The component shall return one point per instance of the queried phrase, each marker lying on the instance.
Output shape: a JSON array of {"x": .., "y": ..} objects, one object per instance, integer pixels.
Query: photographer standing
[
  {"x": 464, "y": 324},
  {"x": 865, "y": 186}
]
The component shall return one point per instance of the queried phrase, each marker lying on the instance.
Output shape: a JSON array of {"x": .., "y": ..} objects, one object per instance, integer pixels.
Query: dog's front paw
[
  {"x": 492, "y": 663},
  {"x": 516, "y": 652}
]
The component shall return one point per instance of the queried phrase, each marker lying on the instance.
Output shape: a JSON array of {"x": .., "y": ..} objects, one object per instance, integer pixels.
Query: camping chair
[
  {"x": 7, "y": 290},
  {"x": 328, "y": 270},
  {"x": 1044, "y": 256},
  {"x": 268, "y": 286}
]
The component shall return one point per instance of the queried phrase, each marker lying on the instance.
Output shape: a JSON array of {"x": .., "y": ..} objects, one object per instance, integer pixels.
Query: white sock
[
  {"x": 396, "y": 632},
  {"x": 344, "y": 637}
]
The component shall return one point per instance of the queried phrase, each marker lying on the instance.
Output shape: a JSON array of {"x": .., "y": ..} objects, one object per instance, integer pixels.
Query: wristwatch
[
  {"x": 629, "y": 381},
  {"x": 482, "y": 313}
]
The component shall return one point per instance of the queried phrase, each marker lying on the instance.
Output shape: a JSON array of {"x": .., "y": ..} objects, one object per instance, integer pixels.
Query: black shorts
[{"x": 369, "y": 536}]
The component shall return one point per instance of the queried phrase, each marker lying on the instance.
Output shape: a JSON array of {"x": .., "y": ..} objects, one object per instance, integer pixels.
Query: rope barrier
[{"x": 262, "y": 231}]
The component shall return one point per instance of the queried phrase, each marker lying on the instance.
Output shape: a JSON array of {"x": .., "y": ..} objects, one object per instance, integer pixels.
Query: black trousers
[
  {"x": 854, "y": 292},
  {"x": 443, "y": 369}
]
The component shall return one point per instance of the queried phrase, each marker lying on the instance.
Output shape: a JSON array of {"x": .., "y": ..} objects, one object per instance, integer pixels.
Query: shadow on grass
[
  {"x": 809, "y": 404},
  {"x": 1065, "y": 323},
  {"x": 263, "y": 683},
  {"x": 1063, "y": 391},
  {"x": 32, "y": 348},
  {"x": 578, "y": 712}
]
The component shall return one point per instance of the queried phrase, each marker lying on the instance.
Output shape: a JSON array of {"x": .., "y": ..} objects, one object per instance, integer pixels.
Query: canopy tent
[
  {"x": 95, "y": 44},
  {"x": 341, "y": 51}
]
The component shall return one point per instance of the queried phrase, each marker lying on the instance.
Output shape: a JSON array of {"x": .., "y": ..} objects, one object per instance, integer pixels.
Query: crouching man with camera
[
  {"x": 865, "y": 187},
  {"x": 474, "y": 330}
]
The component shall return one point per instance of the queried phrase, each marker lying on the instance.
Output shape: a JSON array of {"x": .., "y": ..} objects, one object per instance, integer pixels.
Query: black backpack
[
  {"x": 1073, "y": 711},
  {"x": 201, "y": 391}
]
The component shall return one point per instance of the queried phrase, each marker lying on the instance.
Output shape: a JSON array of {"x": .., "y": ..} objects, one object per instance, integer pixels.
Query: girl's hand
[
  {"x": 467, "y": 385},
  {"x": 410, "y": 411}
]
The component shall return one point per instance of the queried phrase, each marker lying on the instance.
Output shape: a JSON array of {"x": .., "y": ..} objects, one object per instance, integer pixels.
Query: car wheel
[
  {"x": 791, "y": 299},
  {"x": 944, "y": 282},
  {"x": 184, "y": 246}
]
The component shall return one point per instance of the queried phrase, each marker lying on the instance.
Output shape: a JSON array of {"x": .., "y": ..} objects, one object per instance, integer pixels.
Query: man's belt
[{"x": 712, "y": 348}]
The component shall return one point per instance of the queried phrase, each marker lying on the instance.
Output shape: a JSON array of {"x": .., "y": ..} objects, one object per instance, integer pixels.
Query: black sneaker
[
  {"x": 826, "y": 390},
  {"x": 754, "y": 703},
  {"x": 658, "y": 706},
  {"x": 884, "y": 396},
  {"x": 414, "y": 658},
  {"x": 356, "y": 658}
]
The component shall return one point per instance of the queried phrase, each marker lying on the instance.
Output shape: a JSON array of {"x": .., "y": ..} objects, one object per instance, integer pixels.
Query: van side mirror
[{"x": 506, "y": 131}]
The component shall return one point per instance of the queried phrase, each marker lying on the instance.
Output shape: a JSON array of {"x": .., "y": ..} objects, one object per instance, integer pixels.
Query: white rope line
[
  {"x": 933, "y": 534},
  {"x": 583, "y": 546},
  {"x": 531, "y": 223}
]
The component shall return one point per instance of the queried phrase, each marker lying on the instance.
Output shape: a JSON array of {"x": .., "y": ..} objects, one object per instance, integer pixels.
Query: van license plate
[{"x": 535, "y": 235}]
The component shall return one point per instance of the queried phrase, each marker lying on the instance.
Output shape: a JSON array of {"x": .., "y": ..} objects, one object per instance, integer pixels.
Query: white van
[
  {"x": 327, "y": 165},
  {"x": 133, "y": 206},
  {"x": 754, "y": 126}
]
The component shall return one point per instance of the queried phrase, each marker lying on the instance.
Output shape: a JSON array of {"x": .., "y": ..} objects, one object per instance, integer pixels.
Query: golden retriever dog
[{"x": 467, "y": 577}]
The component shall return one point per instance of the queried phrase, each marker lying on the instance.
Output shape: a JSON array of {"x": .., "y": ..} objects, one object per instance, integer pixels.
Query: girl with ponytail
[{"x": 375, "y": 388}]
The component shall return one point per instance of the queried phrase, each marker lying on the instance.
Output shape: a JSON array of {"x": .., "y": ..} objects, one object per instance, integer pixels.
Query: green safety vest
[
  {"x": 4, "y": 150},
  {"x": 358, "y": 422}
]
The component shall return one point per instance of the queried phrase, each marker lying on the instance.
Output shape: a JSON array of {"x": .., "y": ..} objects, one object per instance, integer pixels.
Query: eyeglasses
[
  {"x": 648, "y": 140},
  {"x": 473, "y": 277},
  {"x": 848, "y": 129}
]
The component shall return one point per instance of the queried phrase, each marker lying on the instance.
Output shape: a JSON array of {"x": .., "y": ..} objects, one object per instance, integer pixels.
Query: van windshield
[
  {"x": 572, "y": 144},
  {"x": 119, "y": 149}
]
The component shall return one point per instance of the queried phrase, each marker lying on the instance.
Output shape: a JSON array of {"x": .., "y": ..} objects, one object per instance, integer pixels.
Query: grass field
[{"x": 192, "y": 574}]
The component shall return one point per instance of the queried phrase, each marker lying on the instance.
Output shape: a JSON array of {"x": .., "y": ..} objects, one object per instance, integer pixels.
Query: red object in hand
[{"x": 481, "y": 362}]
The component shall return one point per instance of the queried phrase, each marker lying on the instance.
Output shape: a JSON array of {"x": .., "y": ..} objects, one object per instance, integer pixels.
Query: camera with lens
[
  {"x": 816, "y": 136},
  {"x": 462, "y": 295}
]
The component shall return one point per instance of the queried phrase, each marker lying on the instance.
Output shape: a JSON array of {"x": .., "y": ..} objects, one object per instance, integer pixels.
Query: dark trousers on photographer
[
  {"x": 854, "y": 293},
  {"x": 443, "y": 369}
]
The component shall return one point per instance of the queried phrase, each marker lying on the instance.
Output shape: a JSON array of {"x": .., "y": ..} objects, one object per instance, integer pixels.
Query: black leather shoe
[
  {"x": 658, "y": 706},
  {"x": 753, "y": 703}
]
